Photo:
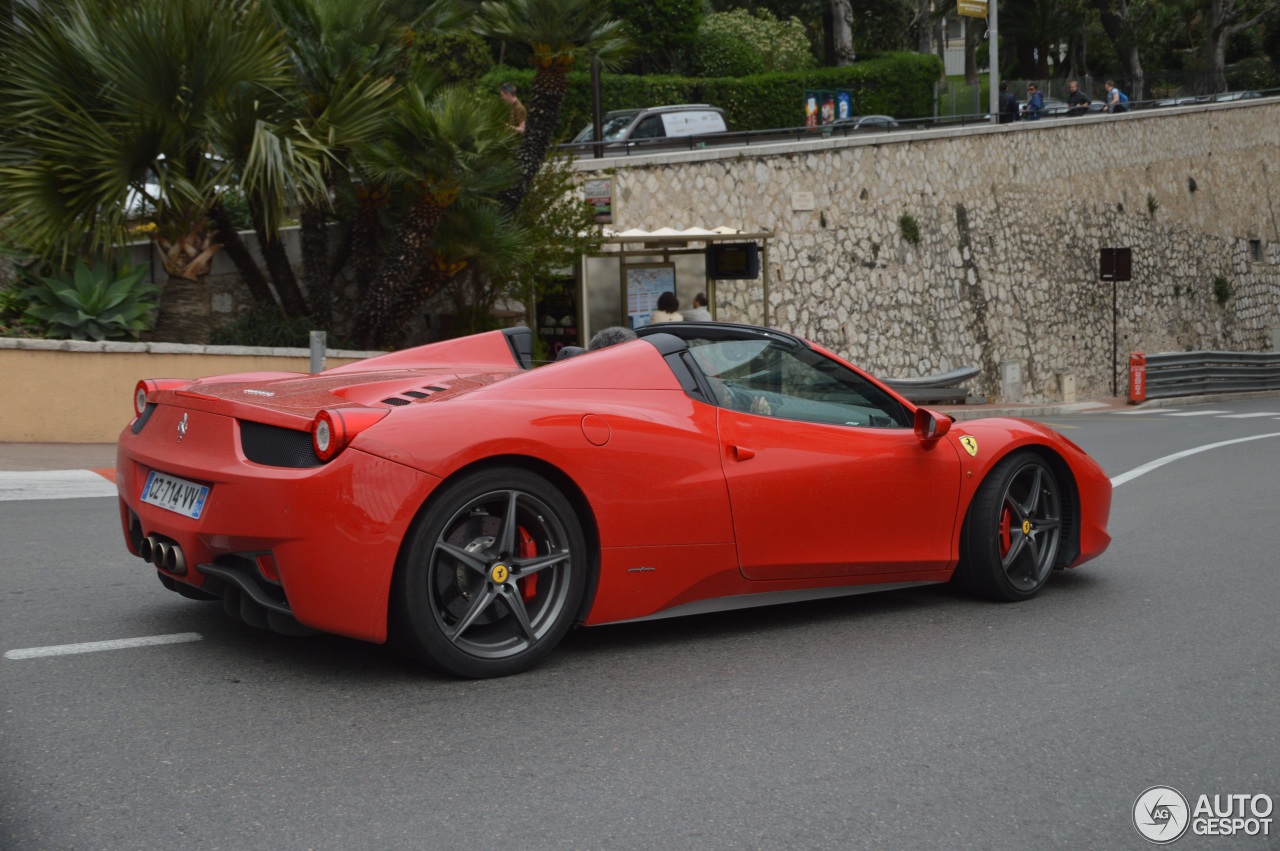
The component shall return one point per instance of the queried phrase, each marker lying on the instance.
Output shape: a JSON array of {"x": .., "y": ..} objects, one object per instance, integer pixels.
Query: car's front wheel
[
  {"x": 1011, "y": 536},
  {"x": 493, "y": 574}
]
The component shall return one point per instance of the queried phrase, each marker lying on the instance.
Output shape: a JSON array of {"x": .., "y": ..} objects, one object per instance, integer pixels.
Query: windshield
[{"x": 613, "y": 125}]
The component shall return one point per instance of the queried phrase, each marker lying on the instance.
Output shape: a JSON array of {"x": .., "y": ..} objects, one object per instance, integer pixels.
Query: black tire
[
  {"x": 493, "y": 575},
  {"x": 1011, "y": 536}
]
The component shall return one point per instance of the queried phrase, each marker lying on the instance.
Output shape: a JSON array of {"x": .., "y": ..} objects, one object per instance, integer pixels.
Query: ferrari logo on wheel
[
  {"x": 499, "y": 573},
  {"x": 1026, "y": 527},
  {"x": 970, "y": 444}
]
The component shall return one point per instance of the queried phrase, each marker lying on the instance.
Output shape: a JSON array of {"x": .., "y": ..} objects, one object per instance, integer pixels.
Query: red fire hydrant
[{"x": 1137, "y": 377}]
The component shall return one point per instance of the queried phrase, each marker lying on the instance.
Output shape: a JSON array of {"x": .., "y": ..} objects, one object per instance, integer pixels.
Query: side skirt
[{"x": 770, "y": 598}]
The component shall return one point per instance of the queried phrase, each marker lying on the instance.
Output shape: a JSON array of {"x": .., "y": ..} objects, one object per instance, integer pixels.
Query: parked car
[
  {"x": 475, "y": 509},
  {"x": 659, "y": 122},
  {"x": 869, "y": 122}
]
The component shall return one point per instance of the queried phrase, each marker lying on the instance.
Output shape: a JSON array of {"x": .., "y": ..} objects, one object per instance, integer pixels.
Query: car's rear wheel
[
  {"x": 493, "y": 575},
  {"x": 1011, "y": 536}
]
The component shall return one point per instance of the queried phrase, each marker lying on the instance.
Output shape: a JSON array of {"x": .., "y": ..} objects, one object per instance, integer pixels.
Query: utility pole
[{"x": 993, "y": 56}]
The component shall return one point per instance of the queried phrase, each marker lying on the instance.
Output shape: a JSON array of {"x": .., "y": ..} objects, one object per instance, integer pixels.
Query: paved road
[{"x": 912, "y": 719}]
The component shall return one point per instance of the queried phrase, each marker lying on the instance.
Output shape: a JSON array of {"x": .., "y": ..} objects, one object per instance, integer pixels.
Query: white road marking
[
  {"x": 95, "y": 646},
  {"x": 1248, "y": 416},
  {"x": 1196, "y": 413},
  {"x": 1117, "y": 481},
  {"x": 53, "y": 484}
]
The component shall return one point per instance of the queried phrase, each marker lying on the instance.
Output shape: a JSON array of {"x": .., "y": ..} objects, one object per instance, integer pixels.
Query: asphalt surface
[{"x": 912, "y": 719}]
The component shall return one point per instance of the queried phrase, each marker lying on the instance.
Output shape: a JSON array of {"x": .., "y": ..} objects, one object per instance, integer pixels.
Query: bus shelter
[{"x": 620, "y": 285}]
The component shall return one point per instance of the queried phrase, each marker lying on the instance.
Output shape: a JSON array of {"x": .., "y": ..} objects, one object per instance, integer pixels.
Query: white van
[{"x": 658, "y": 122}]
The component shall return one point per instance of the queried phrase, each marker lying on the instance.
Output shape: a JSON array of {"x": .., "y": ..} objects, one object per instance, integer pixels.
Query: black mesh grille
[
  {"x": 395, "y": 400},
  {"x": 416, "y": 394},
  {"x": 277, "y": 447},
  {"x": 141, "y": 421}
]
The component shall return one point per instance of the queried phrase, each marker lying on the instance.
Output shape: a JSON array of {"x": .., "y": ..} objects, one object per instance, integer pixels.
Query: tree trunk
[
  {"x": 280, "y": 269},
  {"x": 550, "y": 84},
  {"x": 397, "y": 273},
  {"x": 1114, "y": 16},
  {"x": 315, "y": 264},
  {"x": 924, "y": 24},
  {"x": 432, "y": 278},
  {"x": 1225, "y": 23},
  {"x": 184, "y": 315},
  {"x": 241, "y": 256},
  {"x": 971, "y": 52},
  {"x": 842, "y": 32}
]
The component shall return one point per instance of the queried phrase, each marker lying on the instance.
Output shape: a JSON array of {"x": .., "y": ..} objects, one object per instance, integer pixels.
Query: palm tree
[
  {"x": 436, "y": 150},
  {"x": 108, "y": 102},
  {"x": 558, "y": 34}
]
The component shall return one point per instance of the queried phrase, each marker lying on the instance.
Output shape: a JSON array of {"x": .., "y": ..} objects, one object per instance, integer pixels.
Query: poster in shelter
[{"x": 645, "y": 282}]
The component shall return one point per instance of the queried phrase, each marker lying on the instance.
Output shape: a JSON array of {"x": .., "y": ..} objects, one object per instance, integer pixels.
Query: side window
[
  {"x": 649, "y": 128},
  {"x": 767, "y": 378}
]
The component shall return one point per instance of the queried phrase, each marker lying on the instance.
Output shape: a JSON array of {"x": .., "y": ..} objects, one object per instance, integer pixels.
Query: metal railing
[
  {"x": 943, "y": 387},
  {"x": 1172, "y": 374},
  {"x": 746, "y": 138}
]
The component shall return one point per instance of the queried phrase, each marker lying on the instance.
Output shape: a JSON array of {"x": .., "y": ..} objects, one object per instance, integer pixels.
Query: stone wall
[{"x": 1010, "y": 220}]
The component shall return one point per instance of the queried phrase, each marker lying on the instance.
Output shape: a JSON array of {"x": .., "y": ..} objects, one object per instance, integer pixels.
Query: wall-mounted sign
[
  {"x": 803, "y": 201},
  {"x": 599, "y": 194}
]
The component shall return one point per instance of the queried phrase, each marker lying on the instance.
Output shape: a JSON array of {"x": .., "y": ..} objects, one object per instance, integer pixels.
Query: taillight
[
  {"x": 143, "y": 389},
  {"x": 334, "y": 428}
]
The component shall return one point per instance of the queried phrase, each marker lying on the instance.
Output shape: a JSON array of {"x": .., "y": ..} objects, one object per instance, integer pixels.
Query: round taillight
[
  {"x": 327, "y": 435},
  {"x": 334, "y": 428},
  {"x": 140, "y": 397},
  {"x": 323, "y": 436}
]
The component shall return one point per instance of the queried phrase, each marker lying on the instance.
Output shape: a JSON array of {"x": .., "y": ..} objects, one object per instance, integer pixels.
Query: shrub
[
  {"x": 14, "y": 321},
  {"x": 93, "y": 304},
  {"x": 897, "y": 84},
  {"x": 739, "y": 43},
  {"x": 458, "y": 57},
  {"x": 1221, "y": 290},
  {"x": 262, "y": 325}
]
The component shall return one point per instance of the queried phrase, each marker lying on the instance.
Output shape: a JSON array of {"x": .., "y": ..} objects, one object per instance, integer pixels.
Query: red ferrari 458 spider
[{"x": 475, "y": 509}]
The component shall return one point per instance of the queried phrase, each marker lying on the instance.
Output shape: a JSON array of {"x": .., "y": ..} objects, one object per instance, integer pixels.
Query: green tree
[
  {"x": 437, "y": 150},
  {"x": 1225, "y": 20},
  {"x": 558, "y": 34},
  {"x": 663, "y": 31},
  {"x": 740, "y": 43},
  {"x": 109, "y": 102}
]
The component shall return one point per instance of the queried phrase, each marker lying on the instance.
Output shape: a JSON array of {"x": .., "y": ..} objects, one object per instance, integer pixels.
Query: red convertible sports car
[{"x": 475, "y": 509}]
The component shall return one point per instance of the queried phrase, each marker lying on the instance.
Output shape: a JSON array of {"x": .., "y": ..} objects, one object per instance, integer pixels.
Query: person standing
[
  {"x": 1034, "y": 105},
  {"x": 1008, "y": 104},
  {"x": 519, "y": 115},
  {"x": 699, "y": 312},
  {"x": 1116, "y": 100},
  {"x": 1077, "y": 100}
]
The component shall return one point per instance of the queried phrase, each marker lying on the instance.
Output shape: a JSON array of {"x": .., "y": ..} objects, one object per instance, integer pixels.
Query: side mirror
[{"x": 930, "y": 426}]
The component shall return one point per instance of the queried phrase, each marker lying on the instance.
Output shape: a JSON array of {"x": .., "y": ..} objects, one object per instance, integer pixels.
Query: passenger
[{"x": 611, "y": 336}]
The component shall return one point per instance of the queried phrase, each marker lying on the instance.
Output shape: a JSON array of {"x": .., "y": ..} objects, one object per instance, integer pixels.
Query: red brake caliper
[
  {"x": 1006, "y": 520},
  {"x": 528, "y": 549}
]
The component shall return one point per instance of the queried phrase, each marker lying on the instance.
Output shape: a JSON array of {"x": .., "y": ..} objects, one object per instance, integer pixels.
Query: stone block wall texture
[{"x": 1010, "y": 222}]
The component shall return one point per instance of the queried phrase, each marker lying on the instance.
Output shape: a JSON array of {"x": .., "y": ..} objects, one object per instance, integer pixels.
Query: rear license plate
[{"x": 174, "y": 494}]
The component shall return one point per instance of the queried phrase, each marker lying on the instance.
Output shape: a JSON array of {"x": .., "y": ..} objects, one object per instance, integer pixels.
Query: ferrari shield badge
[{"x": 970, "y": 444}]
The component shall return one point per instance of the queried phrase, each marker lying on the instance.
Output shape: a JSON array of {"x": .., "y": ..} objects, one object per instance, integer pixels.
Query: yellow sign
[
  {"x": 970, "y": 444},
  {"x": 972, "y": 8},
  {"x": 499, "y": 573}
]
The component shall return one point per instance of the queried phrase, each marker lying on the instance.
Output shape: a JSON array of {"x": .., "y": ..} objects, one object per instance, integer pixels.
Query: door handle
[{"x": 742, "y": 453}]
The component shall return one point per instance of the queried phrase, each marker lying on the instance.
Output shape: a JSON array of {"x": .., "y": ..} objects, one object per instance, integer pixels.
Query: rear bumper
[{"x": 334, "y": 531}]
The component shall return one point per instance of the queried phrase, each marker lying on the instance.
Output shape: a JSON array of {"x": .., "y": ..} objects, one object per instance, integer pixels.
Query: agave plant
[{"x": 94, "y": 304}]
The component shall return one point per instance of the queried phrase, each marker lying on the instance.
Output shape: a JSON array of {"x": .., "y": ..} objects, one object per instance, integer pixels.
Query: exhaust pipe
[
  {"x": 146, "y": 547},
  {"x": 160, "y": 553},
  {"x": 174, "y": 560}
]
